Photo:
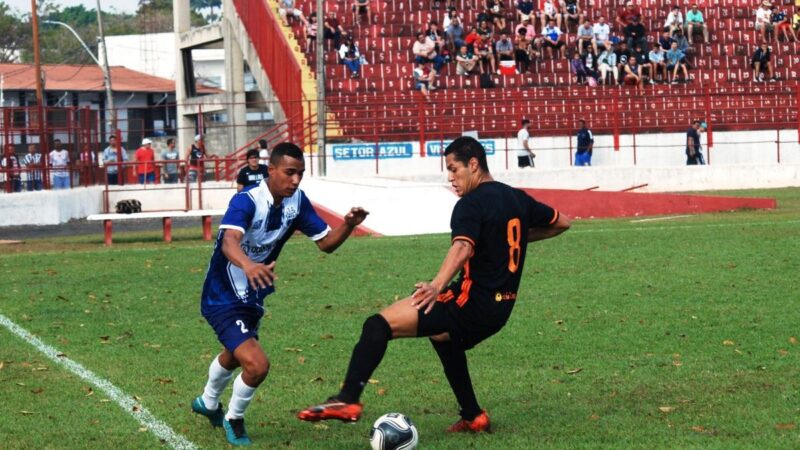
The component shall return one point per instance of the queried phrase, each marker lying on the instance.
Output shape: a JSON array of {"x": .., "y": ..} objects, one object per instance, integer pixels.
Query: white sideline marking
[
  {"x": 653, "y": 219},
  {"x": 688, "y": 227},
  {"x": 125, "y": 401}
]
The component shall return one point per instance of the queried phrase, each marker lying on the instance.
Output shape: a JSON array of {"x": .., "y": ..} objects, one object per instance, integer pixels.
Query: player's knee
[
  {"x": 256, "y": 368},
  {"x": 376, "y": 328}
]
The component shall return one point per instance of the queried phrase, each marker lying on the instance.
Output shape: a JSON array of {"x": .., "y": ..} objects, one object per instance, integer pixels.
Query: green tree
[{"x": 13, "y": 35}]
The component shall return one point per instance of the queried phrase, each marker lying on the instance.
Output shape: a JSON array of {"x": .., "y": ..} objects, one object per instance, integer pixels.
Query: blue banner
[
  {"x": 389, "y": 150},
  {"x": 436, "y": 148}
]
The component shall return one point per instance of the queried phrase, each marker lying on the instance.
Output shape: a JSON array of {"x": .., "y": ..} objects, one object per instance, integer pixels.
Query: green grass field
[{"x": 666, "y": 334}]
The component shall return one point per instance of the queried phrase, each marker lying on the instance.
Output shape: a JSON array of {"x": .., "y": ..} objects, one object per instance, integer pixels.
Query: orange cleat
[
  {"x": 480, "y": 424},
  {"x": 332, "y": 409}
]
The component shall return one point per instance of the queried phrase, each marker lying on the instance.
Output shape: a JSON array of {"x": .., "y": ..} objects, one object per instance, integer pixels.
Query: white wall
[{"x": 49, "y": 207}]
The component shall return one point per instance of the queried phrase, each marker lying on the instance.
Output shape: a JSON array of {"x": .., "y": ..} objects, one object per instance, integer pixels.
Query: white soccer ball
[{"x": 393, "y": 431}]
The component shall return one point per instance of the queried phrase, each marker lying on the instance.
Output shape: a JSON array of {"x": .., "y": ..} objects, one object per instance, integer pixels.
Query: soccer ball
[{"x": 393, "y": 431}]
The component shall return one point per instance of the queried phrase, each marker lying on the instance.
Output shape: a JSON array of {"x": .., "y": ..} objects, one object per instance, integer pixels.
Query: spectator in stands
[
  {"x": 525, "y": 10},
  {"x": 484, "y": 30},
  {"x": 796, "y": 21},
  {"x": 496, "y": 10},
  {"x": 311, "y": 33},
  {"x": 585, "y": 140},
  {"x": 524, "y": 51},
  {"x": 683, "y": 43},
  {"x": 632, "y": 75},
  {"x": 504, "y": 47},
  {"x": 252, "y": 173},
  {"x": 665, "y": 40},
  {"x": 589, "y": 59},
  {"x": 33, "y": 165},
  {"x": 781, "y": 22},
  {"x": 530, "y": 31},
  {"x": 110, "y": 155},
  {"x": 625, "y": 15},
  {"x": 87, "y": 161},
  {"x": 361, "y": 8},
  {"x": 59, "y": 166},
  {"x": 695, "y": 23},
  {"x": 551, "y": 35},
  {"x": 332, "y": 29},
  {"x": 601, "y": 32},
  {"x": 674, "y": 21},
  {"x": 693, "y": 154},
  {"x": 170, "y": 173},
  {"x": 585, "y": 37},
  {"x": 196, "y": 155},
  {"x": 582, "y": 72},
  {"x": 485, "y": 50},
  {"x": 635, "y": 34},
  {"x": 287, "y": 9},
  {"x": 145, "y": 156},
  {"x": 571, "y": 12},
  {"x": 525, "y": 153},
  {"x": 608, "y": 63},
  {"x": 550, "y": 13},
  {"x": 761, "y": 62},
  {"x": 424, "y": 79},
  {"x": 643, "y": 61},
  {"x": 658, "y": 63},
  {"x": 424, "y": 50},
  {"x": 455, "y": 33},
  {"x": 676, "y": 61},
  {"x": 448, "y": 19},
  {"x": 764, "y": 19},
  {"x": 623, "y": 55},
  {"x": 465, "y": 61},
  {"x": 350, "y": 57},
  {"x": 10, "y": 164},
  {"x": 435, "y": 34}
]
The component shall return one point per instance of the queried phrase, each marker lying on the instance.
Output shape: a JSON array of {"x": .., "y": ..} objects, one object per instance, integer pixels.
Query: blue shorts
[
  {"x": 583, "y": 159},
  {"x": 234, "y": 324}
]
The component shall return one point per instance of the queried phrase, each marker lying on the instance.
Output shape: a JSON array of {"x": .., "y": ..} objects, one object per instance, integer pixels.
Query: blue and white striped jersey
[{"x": 266, "y": 229}]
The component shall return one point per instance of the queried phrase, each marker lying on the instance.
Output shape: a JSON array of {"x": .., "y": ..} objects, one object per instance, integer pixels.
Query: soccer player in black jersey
[{"x": 492, "y": 224}]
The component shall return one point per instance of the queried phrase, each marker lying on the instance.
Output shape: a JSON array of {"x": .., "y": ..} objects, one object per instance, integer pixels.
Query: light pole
[{"x": 111, "y": 114}]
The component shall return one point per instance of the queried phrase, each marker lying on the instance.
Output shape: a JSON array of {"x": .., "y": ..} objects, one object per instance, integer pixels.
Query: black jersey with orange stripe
[{"x": 495, "y": 218}]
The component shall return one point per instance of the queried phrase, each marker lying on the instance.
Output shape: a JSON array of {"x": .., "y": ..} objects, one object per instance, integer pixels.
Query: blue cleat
[
  {"x": 215, "y": 417},
  {"x": 235, "y": 432}
]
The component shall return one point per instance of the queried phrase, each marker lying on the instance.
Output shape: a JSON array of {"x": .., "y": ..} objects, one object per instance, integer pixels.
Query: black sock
[
  {"x": 454, "y": 361},
  {"x": 367, "y": 354}
]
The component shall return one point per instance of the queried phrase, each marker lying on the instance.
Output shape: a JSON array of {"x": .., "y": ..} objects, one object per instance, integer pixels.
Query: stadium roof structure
[{"x": 86, "y": 78}]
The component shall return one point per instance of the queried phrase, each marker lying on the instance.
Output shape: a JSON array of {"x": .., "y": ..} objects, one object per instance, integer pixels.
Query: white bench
[{"x": 166, "y": 220}]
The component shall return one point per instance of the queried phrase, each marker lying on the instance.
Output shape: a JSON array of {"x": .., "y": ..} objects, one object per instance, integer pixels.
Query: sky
[{"x": 127, "y": 6}]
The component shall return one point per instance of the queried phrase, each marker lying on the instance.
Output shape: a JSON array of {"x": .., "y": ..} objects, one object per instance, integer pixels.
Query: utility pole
[
  {"x": 37, "y": 63},
  {"x": 321, "y": 152},
  {"x": 111, "y": 113}
]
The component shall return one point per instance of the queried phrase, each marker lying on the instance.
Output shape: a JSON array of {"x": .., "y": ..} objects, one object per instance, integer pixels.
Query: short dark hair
[
  {"x": 170, "y": 140},
  {"x": 696, "y": 121},
  {"x": 113, "y": 136},
  {"x": 525, "y": 122},
  {"x": 465, "y": 148},
  {"x": 285, "y": 149},
  {"x": 262, "y": 143},
  {"x": 252, "y": 153}
]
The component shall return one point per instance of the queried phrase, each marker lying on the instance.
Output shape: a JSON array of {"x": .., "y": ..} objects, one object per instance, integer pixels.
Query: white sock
[
  {"x": 241, "y": 397},
  {"x": 218, "y": 378}
]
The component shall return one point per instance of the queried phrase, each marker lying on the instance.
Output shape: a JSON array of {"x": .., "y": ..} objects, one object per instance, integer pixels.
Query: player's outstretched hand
[
  {"x": 260, "y": 275},
  {"x": 356, "y": 215},
  {"x": 424, "y": 296}
]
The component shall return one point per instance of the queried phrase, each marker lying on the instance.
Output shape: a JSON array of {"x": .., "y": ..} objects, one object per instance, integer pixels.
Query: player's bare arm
[
  {"x": 338, "y": 235},
  {"x": 561, "y": 225},
  {"x": 259, "y": 275},
  {"x": 425, "y": 294}
]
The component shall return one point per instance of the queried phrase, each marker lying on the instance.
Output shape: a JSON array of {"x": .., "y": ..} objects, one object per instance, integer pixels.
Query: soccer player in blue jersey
[{"x": 257, "y": 224}]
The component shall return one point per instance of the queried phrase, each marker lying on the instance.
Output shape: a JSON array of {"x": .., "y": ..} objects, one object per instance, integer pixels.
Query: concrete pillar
[
  {"x": 186, "y": 123},
  {"x": 234, "y": 81}
]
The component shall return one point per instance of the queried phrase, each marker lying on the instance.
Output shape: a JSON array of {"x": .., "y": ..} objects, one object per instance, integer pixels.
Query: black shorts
[
  {"x": 524, "y": 161},
  {"x": 362, "y": 9},
  {"x": 444, "y": 318}
]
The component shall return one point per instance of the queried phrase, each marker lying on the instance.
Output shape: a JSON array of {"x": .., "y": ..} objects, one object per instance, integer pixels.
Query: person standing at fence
[
  {"x": 170, "y": 168},
  {"x": 525, "y": 153},
  {"x": 252, "y": 173},
  {"x": 144, "y": 158},
  {"x": 110, "y": 161},
  {"x": 88, "y": 161},
  {"x": 59, "y": 165},
  {"x": 240, "y": 275},
  {"x": 693, "y": 155},
  {"x": 10, "y": 164},
  {"x": 33, "y": 166},
  {"x": 196, "y": 154},
  {"x": 585, "y": 138}
]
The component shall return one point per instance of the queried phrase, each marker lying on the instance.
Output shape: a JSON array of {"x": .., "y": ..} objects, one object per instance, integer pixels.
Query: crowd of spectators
[{"x": 521, "y": 34}]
